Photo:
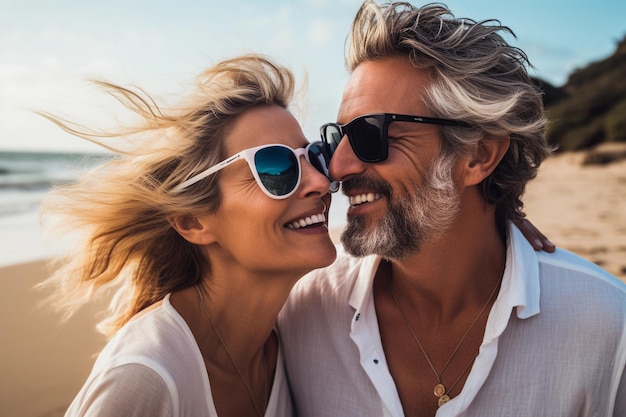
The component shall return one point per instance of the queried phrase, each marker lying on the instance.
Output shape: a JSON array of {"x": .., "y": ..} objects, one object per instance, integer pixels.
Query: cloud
[{"x": 321, "y": 32}]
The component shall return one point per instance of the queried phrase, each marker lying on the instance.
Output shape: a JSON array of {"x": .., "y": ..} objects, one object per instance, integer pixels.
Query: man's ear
[
  {"x": 194, "y": 229},
  {"x": 487, "y": 155}
]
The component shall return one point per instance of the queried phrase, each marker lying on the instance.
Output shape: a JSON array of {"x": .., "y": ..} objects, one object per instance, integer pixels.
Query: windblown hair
[
  {"x": 476, "y": 76},
  {"x": 123, "y": 209}
]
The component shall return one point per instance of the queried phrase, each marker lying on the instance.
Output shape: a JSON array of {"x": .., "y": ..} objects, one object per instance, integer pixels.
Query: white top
[
  {"x": 153, "y": 367},
  {"x": 554, "y": 345}
]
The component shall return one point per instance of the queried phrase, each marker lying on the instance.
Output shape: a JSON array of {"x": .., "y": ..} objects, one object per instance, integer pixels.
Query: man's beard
[{"x": 411, "y": 219}]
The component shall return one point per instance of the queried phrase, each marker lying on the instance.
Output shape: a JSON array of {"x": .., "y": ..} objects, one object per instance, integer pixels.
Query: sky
[{"x": 49, "y": 49}]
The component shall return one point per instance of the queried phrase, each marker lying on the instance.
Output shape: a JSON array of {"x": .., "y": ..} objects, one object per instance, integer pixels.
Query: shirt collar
[
  {"x": 364, "y": 284},
  {"x": 520, "y": 288},
  {"x": 520, "y": 285}
]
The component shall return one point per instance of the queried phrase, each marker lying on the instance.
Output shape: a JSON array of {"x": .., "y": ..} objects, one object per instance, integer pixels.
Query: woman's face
[{"x": 258, "y": 232}]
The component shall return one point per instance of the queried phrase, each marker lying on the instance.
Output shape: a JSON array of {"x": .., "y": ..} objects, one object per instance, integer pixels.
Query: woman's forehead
[{"x": 263, "y": 125}]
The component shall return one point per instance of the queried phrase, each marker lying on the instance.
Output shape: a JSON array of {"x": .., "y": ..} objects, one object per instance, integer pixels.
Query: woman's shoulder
[
  {"x": 157, "y": 344},
  {"x": 124, "y": 387},
  {"x": 156, "y": 337}
]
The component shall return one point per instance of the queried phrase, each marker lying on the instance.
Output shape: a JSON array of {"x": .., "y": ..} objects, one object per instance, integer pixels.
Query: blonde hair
[
  {"x": 123, "y": 208},
  {"x": 477, "y": 78}
]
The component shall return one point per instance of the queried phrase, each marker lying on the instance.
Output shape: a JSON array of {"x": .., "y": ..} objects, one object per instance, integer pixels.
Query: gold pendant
[
  {"x": 439, "y": 390},
  {"x": 443, "y": 399}
]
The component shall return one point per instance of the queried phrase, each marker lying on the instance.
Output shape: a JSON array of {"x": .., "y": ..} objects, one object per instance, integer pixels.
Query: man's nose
[{"x": 344, "y": 161}]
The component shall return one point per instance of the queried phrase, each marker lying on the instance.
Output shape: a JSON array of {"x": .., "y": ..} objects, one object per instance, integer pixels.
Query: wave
[
  {"x": 26, "y": 176},
  {"x": 40, "y": 170}
]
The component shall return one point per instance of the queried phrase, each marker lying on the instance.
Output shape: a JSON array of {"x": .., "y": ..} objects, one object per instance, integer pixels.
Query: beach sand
[
  {"x": 582, "y": 208},
  {"x": 43, "y": 363}
]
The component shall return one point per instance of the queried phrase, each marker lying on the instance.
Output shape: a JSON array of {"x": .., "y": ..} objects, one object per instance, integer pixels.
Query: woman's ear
[
  {"x": 487, "y": 155},
  {"x": 194, "y": 229}
]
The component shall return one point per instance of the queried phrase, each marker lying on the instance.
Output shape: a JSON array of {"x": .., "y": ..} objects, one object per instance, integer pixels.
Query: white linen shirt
[
  {"x": 554, "y": 343},
  {"x": 153, "y": 367}
]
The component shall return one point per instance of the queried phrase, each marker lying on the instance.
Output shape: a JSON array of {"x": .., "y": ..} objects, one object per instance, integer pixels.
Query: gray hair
[{"x": 477, "y": 77}]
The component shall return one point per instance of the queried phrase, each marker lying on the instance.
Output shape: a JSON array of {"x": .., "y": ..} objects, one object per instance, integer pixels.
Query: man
[{"x": 443, "y": 307}]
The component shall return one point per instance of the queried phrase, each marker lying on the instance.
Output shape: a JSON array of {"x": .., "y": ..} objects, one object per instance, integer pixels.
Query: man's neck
[
  {"x": 454, "y": 272},
  {"x": 432, "y": 310}
]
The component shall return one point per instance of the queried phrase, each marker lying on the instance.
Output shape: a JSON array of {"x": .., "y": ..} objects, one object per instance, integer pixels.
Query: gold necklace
[
  {"x": 232, "y": 359},
  {"x": 440, "y": 390}
]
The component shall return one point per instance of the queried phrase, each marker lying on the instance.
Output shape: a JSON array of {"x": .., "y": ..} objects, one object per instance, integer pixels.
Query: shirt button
[
  {"x": 358, "y": 315},
  {"x": 376, "y": 361}
]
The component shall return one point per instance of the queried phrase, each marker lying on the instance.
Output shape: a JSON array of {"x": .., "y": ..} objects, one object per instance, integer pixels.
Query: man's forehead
[{"x": 391, "y": 85}]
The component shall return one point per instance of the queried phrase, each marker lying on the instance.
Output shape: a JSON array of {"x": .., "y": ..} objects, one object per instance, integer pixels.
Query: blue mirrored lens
[{"x": 278, "y": 169}]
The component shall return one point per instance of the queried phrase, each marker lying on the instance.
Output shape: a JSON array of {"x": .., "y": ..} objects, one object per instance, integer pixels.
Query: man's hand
[{"x": 537, "y": 239}]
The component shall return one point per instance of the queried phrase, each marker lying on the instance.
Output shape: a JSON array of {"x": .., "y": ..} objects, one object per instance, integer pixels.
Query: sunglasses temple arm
[{"x": 199, "y": 177}]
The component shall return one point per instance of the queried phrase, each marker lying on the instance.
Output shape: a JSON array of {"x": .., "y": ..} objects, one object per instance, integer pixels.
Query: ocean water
[{"x": 25, "y": 177}]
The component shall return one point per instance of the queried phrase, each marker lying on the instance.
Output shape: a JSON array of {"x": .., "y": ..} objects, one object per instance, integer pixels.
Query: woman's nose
[{"x": 313, "y": 181}]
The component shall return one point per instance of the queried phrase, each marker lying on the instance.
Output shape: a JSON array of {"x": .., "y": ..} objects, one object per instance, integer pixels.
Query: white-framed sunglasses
[{"x": 276, "y": 167}]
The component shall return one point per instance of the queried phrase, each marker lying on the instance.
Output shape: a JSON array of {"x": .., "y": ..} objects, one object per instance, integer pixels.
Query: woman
[{"x": 201, "y": 248}]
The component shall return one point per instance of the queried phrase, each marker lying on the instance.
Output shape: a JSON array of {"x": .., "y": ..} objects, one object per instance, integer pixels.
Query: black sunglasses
[{"x": 368, "y": 134}]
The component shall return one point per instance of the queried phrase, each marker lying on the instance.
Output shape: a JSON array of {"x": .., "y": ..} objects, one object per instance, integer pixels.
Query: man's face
[{"x": 396, "y": 205}]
